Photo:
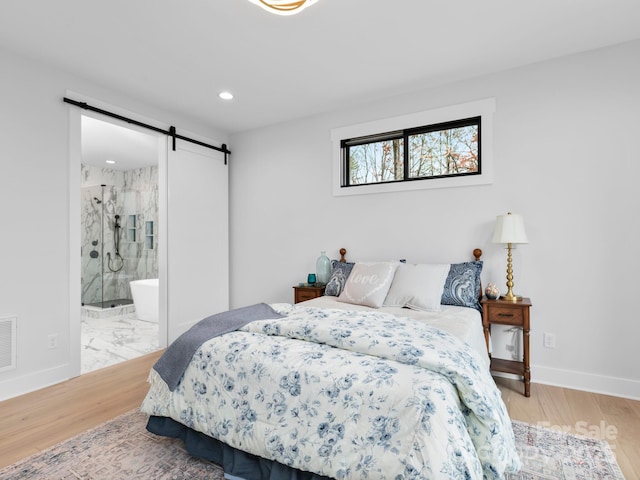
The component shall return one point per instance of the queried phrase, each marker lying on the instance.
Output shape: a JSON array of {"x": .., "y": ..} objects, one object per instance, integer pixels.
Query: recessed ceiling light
[
  {"x": 226, "y": 95},
  {"x": 111, "y": 162}
]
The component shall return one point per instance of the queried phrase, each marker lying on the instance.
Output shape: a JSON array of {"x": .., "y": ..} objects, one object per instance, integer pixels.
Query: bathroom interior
[{"x": 119, "y": 226}]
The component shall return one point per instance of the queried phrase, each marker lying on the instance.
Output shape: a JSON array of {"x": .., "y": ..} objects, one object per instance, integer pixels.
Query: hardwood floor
[
  {"x": 35, "y": 421},
  {"x": 38, "y": 420}
]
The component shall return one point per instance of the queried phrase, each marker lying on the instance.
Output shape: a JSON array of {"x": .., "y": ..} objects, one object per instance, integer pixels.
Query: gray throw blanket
[{"x": 172, "y": 364}]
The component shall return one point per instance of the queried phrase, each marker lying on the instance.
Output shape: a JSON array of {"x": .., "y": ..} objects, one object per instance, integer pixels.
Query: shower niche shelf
[
  {"x": 132, "y": 228},
  {"x": 149, "y": 238}
]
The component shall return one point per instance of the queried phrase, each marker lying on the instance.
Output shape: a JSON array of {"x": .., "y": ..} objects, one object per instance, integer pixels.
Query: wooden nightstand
[
  {"x": 307, "y": 293},
  {"x": 504, "y": 312}
]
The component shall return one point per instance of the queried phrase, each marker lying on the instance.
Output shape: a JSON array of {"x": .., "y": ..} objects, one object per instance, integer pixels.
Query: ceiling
[
  {"x": 128, "y": 149},
  {"x": 178, "y": 55}
]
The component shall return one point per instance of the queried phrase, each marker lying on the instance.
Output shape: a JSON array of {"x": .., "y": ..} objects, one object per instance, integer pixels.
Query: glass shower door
[{"x": 91, "y": 246}]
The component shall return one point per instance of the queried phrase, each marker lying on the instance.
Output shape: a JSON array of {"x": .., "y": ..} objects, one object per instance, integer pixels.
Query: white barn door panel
[{"x": 197, "y": 235}]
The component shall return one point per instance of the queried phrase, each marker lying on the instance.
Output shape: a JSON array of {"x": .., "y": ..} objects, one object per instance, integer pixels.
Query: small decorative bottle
[{"x": 323, "y": 268}]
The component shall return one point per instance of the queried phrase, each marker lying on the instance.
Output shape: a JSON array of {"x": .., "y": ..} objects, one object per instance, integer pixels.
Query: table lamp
[{"x": 509, "y": 229}]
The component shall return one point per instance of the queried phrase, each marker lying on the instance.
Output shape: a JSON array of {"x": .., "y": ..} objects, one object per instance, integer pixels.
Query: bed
[{"x": 385, "y": 377}]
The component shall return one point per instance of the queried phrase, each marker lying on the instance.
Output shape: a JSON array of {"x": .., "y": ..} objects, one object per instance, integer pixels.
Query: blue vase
[{"x": 323, "y": 268}]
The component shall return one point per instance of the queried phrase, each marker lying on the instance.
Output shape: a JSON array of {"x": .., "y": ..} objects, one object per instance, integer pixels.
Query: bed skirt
[{"x": 237, "y": 465}]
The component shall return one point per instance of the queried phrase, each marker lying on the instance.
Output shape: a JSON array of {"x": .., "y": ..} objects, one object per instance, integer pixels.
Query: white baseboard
[
  {"x": 588, "y": 382},
  {"x": 15, "y": 387}
]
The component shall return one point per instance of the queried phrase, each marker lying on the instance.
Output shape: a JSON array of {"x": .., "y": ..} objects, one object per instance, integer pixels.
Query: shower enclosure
[
  {"x": 119, "y": 225},
  {"x": 102, "y": 260}
]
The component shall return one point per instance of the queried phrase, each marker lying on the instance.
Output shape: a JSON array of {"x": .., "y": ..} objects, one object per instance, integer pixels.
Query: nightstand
[
  {"x": 302, "y": 293},
  {"x": 504, "y": 312}
]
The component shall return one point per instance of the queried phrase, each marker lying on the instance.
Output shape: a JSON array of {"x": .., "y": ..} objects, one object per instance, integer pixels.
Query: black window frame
[{"x": 404, "y": 134}]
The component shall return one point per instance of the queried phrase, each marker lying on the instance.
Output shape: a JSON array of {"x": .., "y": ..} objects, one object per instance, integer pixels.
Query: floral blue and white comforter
[{"x": 346, "y": 394}]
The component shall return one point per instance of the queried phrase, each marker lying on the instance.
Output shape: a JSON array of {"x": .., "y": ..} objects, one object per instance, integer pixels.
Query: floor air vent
[{"x": 7, "y": 343}]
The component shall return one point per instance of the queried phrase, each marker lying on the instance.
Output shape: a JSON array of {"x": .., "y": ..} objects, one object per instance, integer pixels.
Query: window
[
  {"x": 446, "y": 147},
  {"x": 433, "y": 151}
]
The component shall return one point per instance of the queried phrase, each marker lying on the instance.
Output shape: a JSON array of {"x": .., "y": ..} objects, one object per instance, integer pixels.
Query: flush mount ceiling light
[{"x": 284, "y": 7}]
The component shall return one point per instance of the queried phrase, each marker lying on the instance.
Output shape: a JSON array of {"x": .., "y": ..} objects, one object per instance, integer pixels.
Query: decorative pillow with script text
[{"x": 369, "y": 283}]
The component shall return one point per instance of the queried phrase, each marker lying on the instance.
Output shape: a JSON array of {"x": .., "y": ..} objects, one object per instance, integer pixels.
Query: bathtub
[{"x": 146, "y": 298}]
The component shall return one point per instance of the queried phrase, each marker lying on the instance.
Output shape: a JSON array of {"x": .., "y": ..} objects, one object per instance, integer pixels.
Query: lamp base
[{"x": 512, "y": 298}]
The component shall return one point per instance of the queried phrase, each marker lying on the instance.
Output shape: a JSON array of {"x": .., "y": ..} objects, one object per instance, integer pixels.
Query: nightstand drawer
[
  {"x": 506, "y": 315},
  {"x": 303, "y": 295},
  {"x": 307, "y": 293}
]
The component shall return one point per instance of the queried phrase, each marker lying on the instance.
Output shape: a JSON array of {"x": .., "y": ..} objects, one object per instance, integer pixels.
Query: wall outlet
[
  {"x": 549, "y": 340},
  {"x": 52, "y": 341}
]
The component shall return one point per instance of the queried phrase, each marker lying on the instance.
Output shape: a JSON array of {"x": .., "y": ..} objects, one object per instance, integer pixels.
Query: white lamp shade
[{"x": 509, "y": 229}]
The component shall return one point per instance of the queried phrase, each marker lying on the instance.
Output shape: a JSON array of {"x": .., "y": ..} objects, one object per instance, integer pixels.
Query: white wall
[
  {"x": 34, "y": 211},
  {"x": 566, "y": 158}
]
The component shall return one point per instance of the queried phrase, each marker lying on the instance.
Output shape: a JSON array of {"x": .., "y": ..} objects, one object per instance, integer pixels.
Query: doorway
[
  {"x": 119, "y": 225},
  {"x": 192, "y": 243}
]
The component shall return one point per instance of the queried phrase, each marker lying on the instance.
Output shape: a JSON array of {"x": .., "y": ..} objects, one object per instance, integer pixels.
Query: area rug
[
  {"x": 549, "y": 454},
  {"x": 123, "y": 449}
]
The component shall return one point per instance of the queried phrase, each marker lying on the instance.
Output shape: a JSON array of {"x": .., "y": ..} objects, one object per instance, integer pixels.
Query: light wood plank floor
[
  {"x": 36, "y": 421},
  {"x": 33, "y": 422}
]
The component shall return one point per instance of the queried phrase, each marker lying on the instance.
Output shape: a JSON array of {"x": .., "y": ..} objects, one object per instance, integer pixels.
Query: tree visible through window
[{"x": 434, "y": 151}]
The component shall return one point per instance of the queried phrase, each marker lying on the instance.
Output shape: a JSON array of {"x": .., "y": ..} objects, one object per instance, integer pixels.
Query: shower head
[{"x": 98, "y": 201}]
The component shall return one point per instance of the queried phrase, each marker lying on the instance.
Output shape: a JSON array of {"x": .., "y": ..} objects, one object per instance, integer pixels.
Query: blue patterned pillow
[
  {"x": 462, "y": 287},
  {"x": 339, "y": 273}
]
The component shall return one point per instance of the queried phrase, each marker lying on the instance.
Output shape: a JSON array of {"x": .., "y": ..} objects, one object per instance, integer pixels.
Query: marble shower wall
[{"x": 133, "y": 195}]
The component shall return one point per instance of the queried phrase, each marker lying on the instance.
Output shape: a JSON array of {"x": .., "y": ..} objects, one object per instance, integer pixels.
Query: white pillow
[
  {"x": 418, "y": 287},
  {"x": 368, "y": 283}
]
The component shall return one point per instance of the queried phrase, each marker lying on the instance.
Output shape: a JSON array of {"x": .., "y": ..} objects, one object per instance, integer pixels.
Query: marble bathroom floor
[{"x": 111, "y": 340}]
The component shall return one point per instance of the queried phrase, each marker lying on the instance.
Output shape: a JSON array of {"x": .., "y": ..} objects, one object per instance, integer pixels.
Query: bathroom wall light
[
  {"x": 226, "y": 95},
  {"x": 110, "y": 162},
  {"x": 284, "y": 7}
]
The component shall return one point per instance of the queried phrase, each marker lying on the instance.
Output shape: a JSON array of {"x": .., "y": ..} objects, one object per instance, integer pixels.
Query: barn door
[{"x": 197, "y": 236}]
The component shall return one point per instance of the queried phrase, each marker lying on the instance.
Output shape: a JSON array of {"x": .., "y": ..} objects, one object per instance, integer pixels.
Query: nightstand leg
[
  {"x": 487, "y": 336},
  {"x": 525, "y": 360}
]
